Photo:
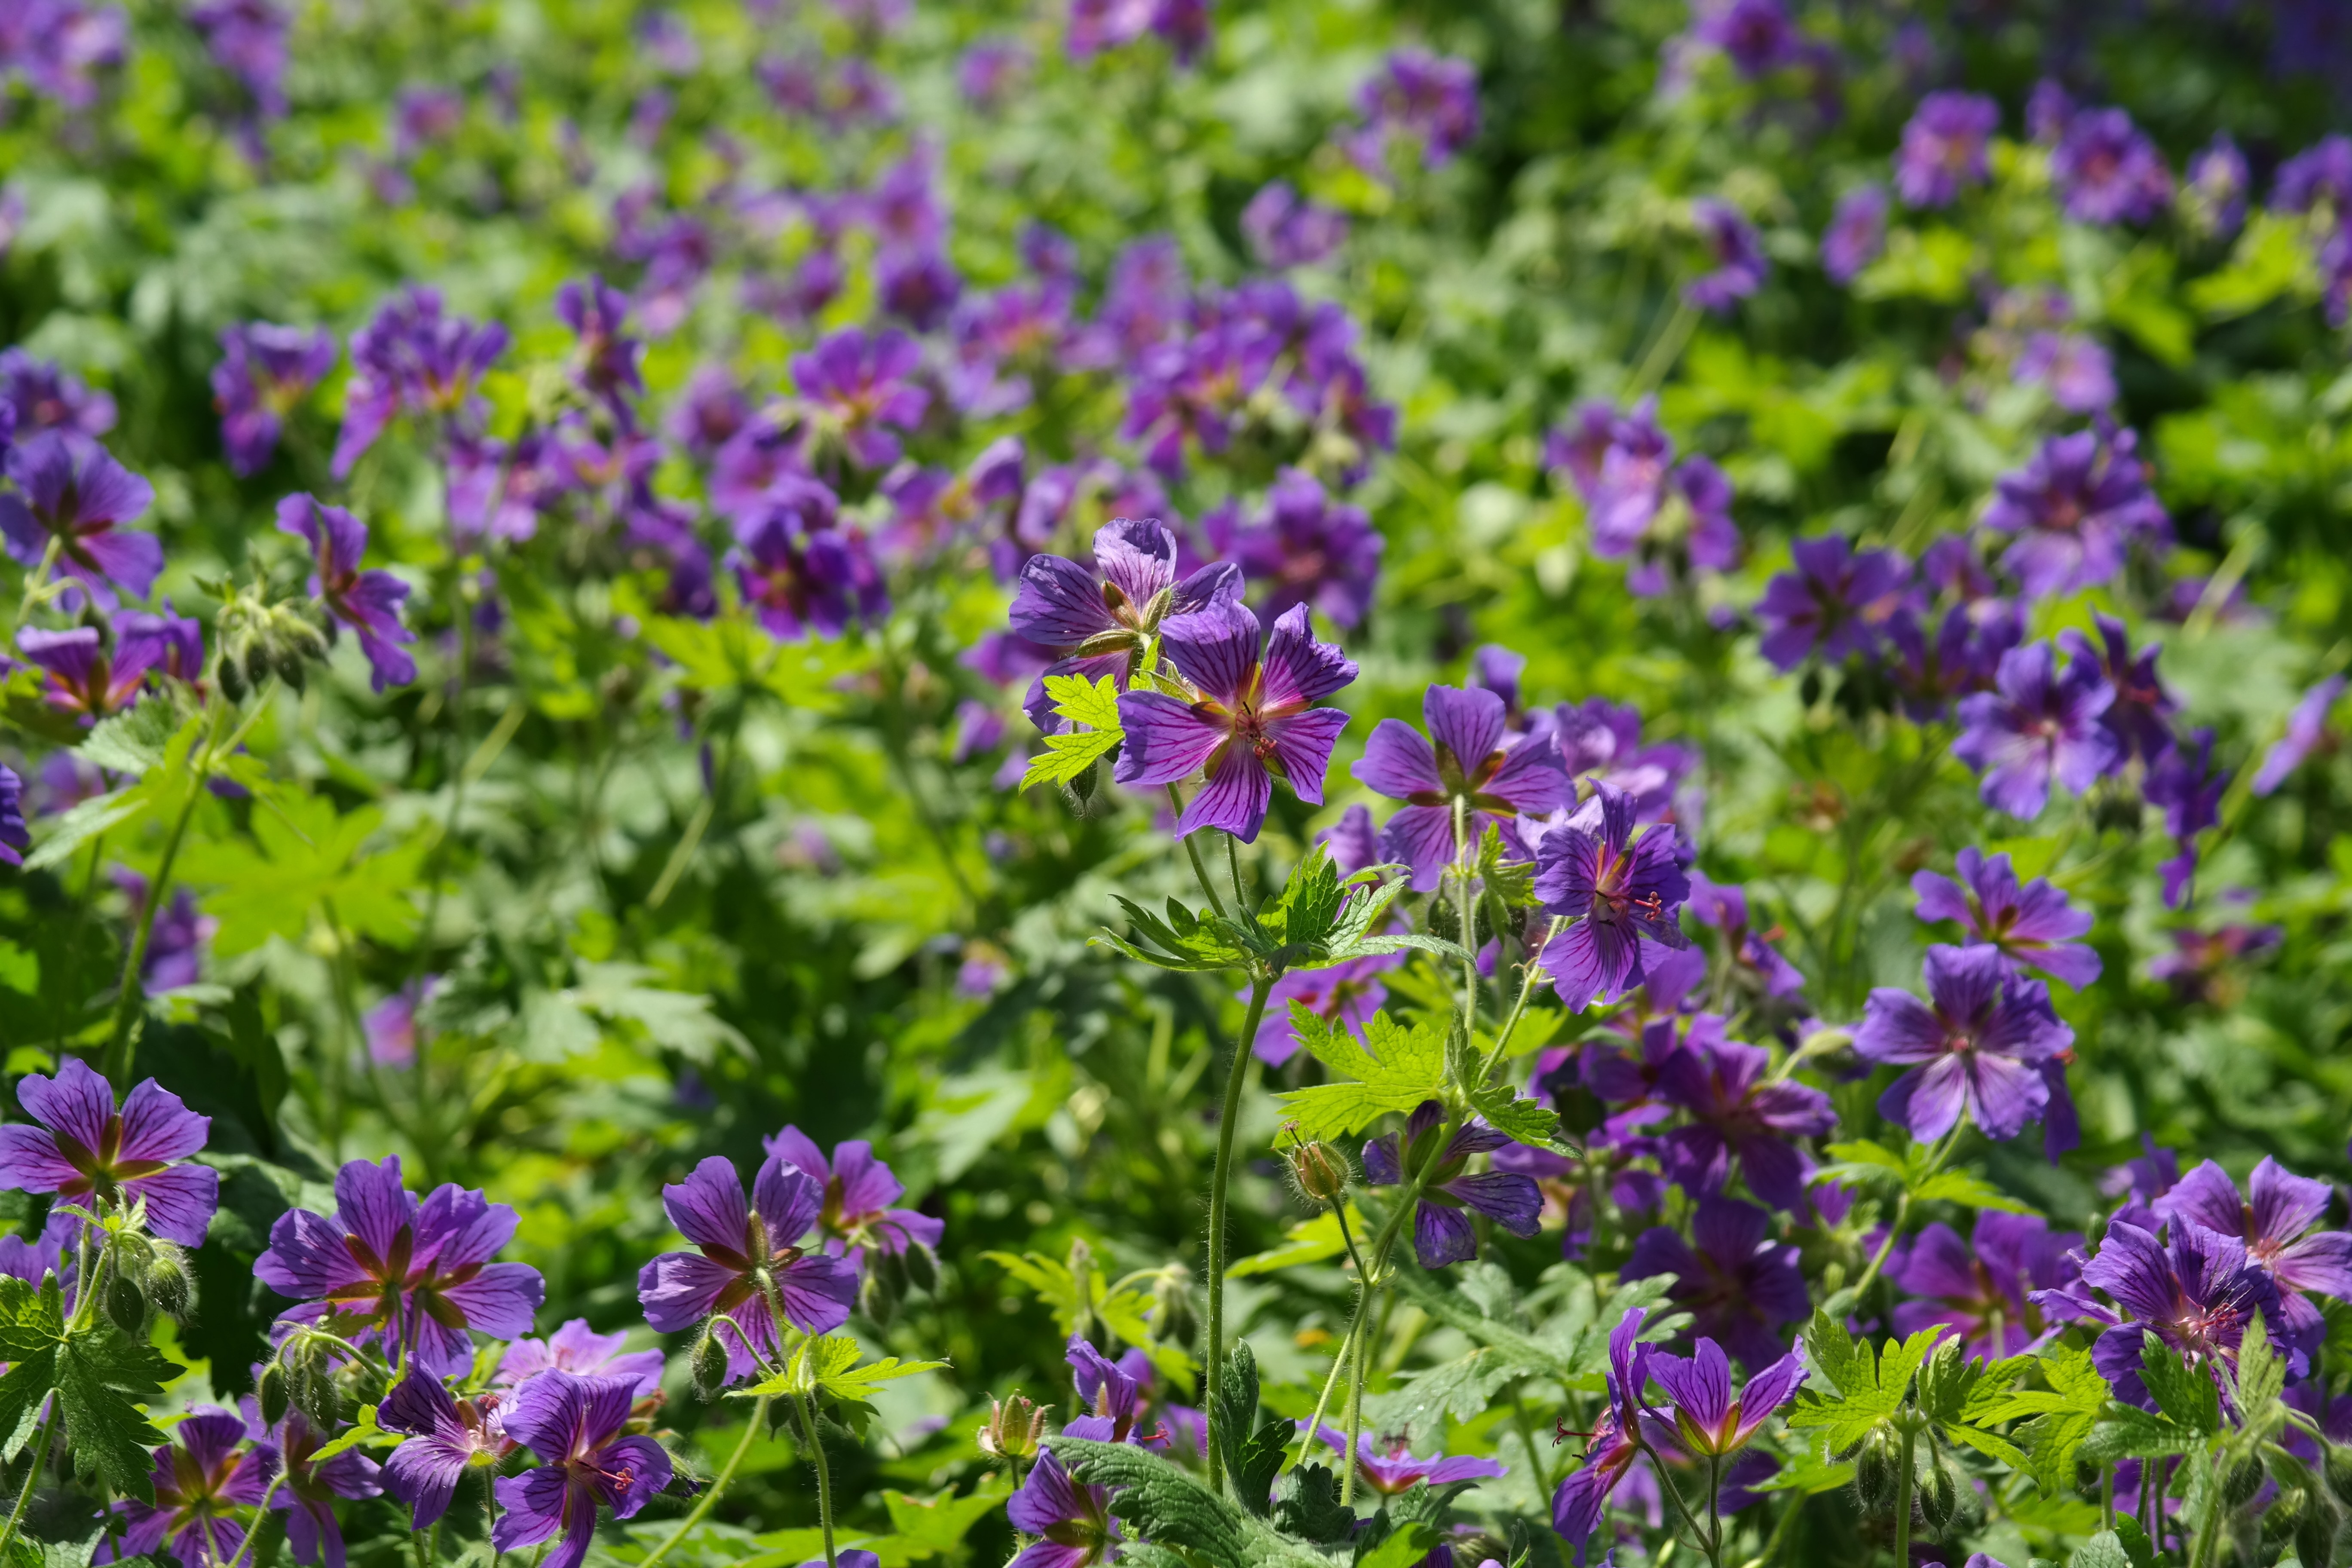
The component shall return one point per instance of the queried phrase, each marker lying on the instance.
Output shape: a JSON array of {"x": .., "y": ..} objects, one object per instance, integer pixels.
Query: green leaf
[
  {"x": 1252, "y": 1451},
  {"x": 1310, "y": 1508},
  {"x": 1160, "y": 1504},
  {"x": 1308, "y": 1241},
  {"x": 1457, "y": 1389},
  {"x": 364, "y": 1433},
  {"x": 2062, "y": 1416},
  {"x": 825, "y": 1368},
  {"x": 1966, "y": 1188},
  {"x": 136, "y": 740},
  {"x": 1870, "y": 1387},
  {"x": 304, "y": 856},
  {"x": 102, "y": 1379},
  {"x": 1522, "y": 1119},
  {"x": 2185, "y": 1393},
  {"x": 2104, "y": 1550},
  {"x": 2271, "y": 261},
  {"x": 2126, "y": 1432},
  {"x": 1394, "y": 1068},
  {"x": 936, "y": 1527},
  {"x": 1184, "y": 941},
  {"x": 86, "y": 821},
  {"x": 1405, "y": 1545},
  {"x": 1092, "y": 703},
  {"x": 675, "y": 1020}
]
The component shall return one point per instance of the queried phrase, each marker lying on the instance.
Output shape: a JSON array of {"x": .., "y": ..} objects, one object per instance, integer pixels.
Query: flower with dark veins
[{"x": 1619, "y": 888}]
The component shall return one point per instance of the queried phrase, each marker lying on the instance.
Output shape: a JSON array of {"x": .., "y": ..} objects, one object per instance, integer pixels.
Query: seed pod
[
  {"x": 1012, "y": 1429},
  {"x": 709, "y": 1367},
  {"x": 885, "y": 1286},
  {"x": 1877, "y": 1476},
  {"x": 923, "y": 1267},
  {"x": 168, "y": 1287},
  {"x": 126, "y": 1306},
  {"x": 273, "y": 1393},
  {"x": 1320, "y": 1171}
]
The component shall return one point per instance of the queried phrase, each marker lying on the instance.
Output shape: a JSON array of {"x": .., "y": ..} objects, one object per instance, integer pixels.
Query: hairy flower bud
[
  {"x": 273, "y": 1393},
  {"x": 1940, "y": 1492},
  {"x": 709, "y": 1367},
  {"x": 1012, "y": 1429},
  {"x": 126, "y": 1306},
  {"x": 1320, "y": 1171},
  {"x": 231, "y": 675},
  {"x": 1877, "y": 1475},
  {"x": 1173, "y": 1320},
  {"x": 2339, "y": 1473},
  {"x": 2315, "y": 1532},
  {"x": 169, "y": 1286},
  {"x": 2238, "y": 1487},
  {"x": 923, "y": 1267}
]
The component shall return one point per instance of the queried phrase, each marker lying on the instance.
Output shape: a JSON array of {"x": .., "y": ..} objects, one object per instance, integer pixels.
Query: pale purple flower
[
  {"x": 1196, "y": 387},
  {"x": 1976, "y": 1045},
  {"x": 2107, "y": 171},
  {"x": 265, "y": 370},
  {"x": 2035, "y": 725},
  {"x": 1943, "y": 151},
  {"x": 1442, "y": 1232},
  {"x": 575, "y": 1425},
  {"x": 1602, "y": 740},
  {"x": 579, "y": 1350},
  {"x": 1621, "y": 891},
  {"x": 2308, "y": 732},
  {"x": 607, "y": 356},
  {"x": 446, "y": 1437},
  {"x": 366, "y": 601},
  {"x": 1757, "y": 35},
  {"x": 2188, "y": 788},
  {"x": 738, "y": 1244},
  {"x": 2197, "y": 1291},
  {"x": 1465, "y": 771},
  {"x": 72, "y": 494},
  {"x": 412, "y": 359},
  {"x": 2278, "y": 1218},
  {"x": 1639, "y": 500},
  {"x": 860, "y": 385},
  {"x": 308, "y": 1491},
  {"x": 84, "y": 1150},
  {"x": 200, "y": 1481},
  {"x": 1739, "y": 1287},
  {"x": 2321, "y": 174},
  {"x": 1737, "y": 1113},
  {"x": 13, "y": 837},
  {"x": 2198, "y": 967},
  {"x": 1964, "y": 656},
  {"x": 1737, "y": 251},
  {"x": 247, "y": 39},
  {"x": 1983, "y": 1288},
  {"x": 1707, "y": 1418},
  {"x": 1856, "y": 236},
  {"x": 1253, "y": 721},
  {"x": 2213, "y": 198},
  {"x": 1285, "y": 230},
  {"x": 2075, "y": 510},
  {"x": 1832, "y": 601},
  {"x": 712, "y": 409},
  {"x": 1344, "y": 994},
  {"x": 1304, "y": 549},
  {"x": 1753, "y": 958},
  {"x": 2032, "y": 927},
  {"x": 1353, "y": 844},
  {"x": 858, "y": 1192},
  {"x": 423, "y": 115},
  {"x": 987, "y": 72},
  {"x": 411, "y": 1275},
  {"x": 2079, "y": 375},
  {"x": 175, "y": 943},
  {"x": 1097, "y": 26}
]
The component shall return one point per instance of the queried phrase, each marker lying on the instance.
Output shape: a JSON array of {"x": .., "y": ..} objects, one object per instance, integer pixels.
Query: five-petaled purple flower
[
  {"x": 2037, "y": 724},
  {"x": 1578, "y": 1504},
  {"x": 574, "y": 1425},
  {"x": 366, "y": 601},
  {"x": 1398, "y": 1471},
  {"x": 2107, "y": 170},
  {"x": 1832, "y": 599},
  {"x": 2275, "y": 1219},
  {"x": 1252, "y": 721},
  {"x": 1943, "y": 150},
  {"x": 861, "y": 386},
  {"x": 1735, "y": 250},
  {"x": 446, "y": 1437},
  {"x": 411, "y": 1275},
  {"x": 201, "y": 1481},
  {"x": 72, "y": 497},
  {"x": 1468, "y": 780},
  {"x": 752, "y": 1264},
  {"x": 800, "y": 568},
  {"x": 2032, "y": 927},
  {"x": 265, "y": 370},
  {"x": 2075, "y": 510},
  {"x": 1071, "y": 1522},
  {"x": 83, "y": 1150},
  {"x": 309, "y": 1489},
  {"x": 82, "y": 678},
  {"x": 1708, "y": 1419},
  {"x": 1441, "y": 1229},
  {"x": 13, "y": 837},
  {"x": 411, "y": 358},
  {"x": 597, "y": 311},
  {"x": 1104, "y": 619},
  {"x": 1983, "y": 1288},
  {"x": 1620, "y": 890},
  {"x": 1978, "y": 1044},
  {"x": 1429, "y": 99},
  {"x": 2197, "y": 1291},
  {"x": 577, "y": 1348},
  {"x": 1739, "y": 1287},
  {"x": 2140, "y": 718},
  {"x": 1304, "y": 549},
  {"x": 858, "y": 1190},
  {"x": 1737, "y": 1113}
]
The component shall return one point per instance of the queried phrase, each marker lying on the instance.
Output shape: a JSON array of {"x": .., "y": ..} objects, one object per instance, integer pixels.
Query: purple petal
[
  {"x": 708, "y": 1208},
  {"x": 1233, "y": 797},
  {"x": 1398, "y": 762},
  {"x": 1167, "y": 741}
]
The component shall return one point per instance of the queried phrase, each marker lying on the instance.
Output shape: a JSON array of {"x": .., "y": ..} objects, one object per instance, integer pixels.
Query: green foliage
[
  {"x": 1394, "y": 1068},
  {"x": 101, "y": 1378},
  {"x": 1094, "y": 705}
]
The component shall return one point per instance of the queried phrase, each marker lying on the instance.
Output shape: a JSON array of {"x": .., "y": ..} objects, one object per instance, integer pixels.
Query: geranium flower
[
  {"x": 2276, "y": 1217},
  {"x": 2197, "y": 1292},
  {"x": 2106, "y": 171},
  {"x": 2213, "y": 195},
  {"x": 412, "y": 1277},
  {"x": 201, "y": 1480},
  {"x": 1829, "y": 601},
  {"x": 265, "y": 370},
  {"x": 1740, "y": 1288},
  {"x": 2140, "y": 718},
  {"x": 1285, "y": 230},
  {"x": 578, "y": 1349},
  {"x": 1737, "y": 1114},
  {"x": 2306, "y": 733},
  {"x": 2075, "y": 510},
  {"x": 45, "y": 398},
  {"x": 1111, "y": 1395},
  {"x": 1344, "y": 994},
  {"x": 1397, "y": 1471},
  {"x": 596, "y": 313},
  {"x": 1071, "y": 1522},
  {"x": 70, "y": 492},
  {"x": 1978, "y": 1045},
  {"x": 1618, "y": 889},
  {"x": 366, "y": 601},
  {"x": 1304, "y": 549},
  {"x": 1578, "y": 1505},
  {"x": 446, "y": 1437},
  {"x": 2032, "y": 927},
  {"x": 2187, "y": 788},
  {"x": 1754, "y": 960},
  {"x": 308, "y": 1491},
  {"x": 1984, "y": 1288},
  {"x": 1757, "y": 36},
  {"x": 746, "y": 1252},
  {"x": 83, "y": 1150},
  {"x": 1943, "y": 150},
  {"x": 412, "y": 359},
  {"x": 1708, "y": 1420},
  {"x": 1104, "y": 620},
  {"x": 15, "y": 838},
  {"x": 861, "y": 386},
  {"x": 2037, "y": 724},
  {"x": 1441, "y": 1229},
  {"x": 82, "y": 678},
  {"x": 801, "y": 570},
  {"x": 858, "y": 1192},
  {"x": 1856, "y": 236},
  {"x": 1738, "y": 252},
  {"x": 1252, "y": 719},
  {"x": 1468, "y": 778},
  {"x": 574, "y": 1425},
  {"x": 1423, "y": 97}
]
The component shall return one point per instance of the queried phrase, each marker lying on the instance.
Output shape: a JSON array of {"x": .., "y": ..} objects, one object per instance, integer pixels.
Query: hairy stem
[
  {"x": 1690, "y": 1521},
  {"x": 1903, "y": 1501},
  {"x": 260, "y": 1518},
  {"x": 824, "y": 1476},
  {"x": 1192, "y": 848},
  {"x": 32, "y": 1478},
  {"x": 1219, "y": 1179},
  {"x": 1355, "y": 1418},
  {"x": 718, "y": 1485}
]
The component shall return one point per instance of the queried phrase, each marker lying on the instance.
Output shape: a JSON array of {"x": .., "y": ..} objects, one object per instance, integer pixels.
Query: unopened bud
[
  {"x": 923, "y": 1267},
  {"x": 290, "y": 668},
  {"x": 886, "y": 1284},
  {"x": 2315, "y": 1532},
  {"x": 312, "y": 1391},
  {"x": 709, "y": 1367},
  {"x": 273, "y": 1393},
  {"x": 1877, "y": 1475},
  {"x": 1320, "y": 1171},
  {"x": 1172, "y": 1318},
  {"x": 168, "y": 1287},
  {"x": 126, "y": 1306},
  {"x": 1939, "y": 1493},
  {"x": 1013, "y": 1430},
  {"x": 256, "y": 665},
  {"x": 2339, "y": 1473},
  {"x": 232, "y": 680},
  {"x": 2240, "y": 1485}
]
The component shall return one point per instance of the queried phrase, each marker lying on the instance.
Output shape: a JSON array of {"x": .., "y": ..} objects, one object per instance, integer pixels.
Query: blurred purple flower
[
  {"x": 1737, "y": 1113},
  {"x": 1398, "y": 1470},
  {"x": 2107, "y": 171},
  {"x": 917, "y": 285},
  {"x": 2140, "y": 718},
  {"x": 597, "y": 312},
  {"x": 2075, "y": 510},
  {"x": 2319, "y": 175},
  {"x": 1740, "y": 1288},
  {"x": 2308, "y": 732},
  {"x": 2037, "y": 724},
  {"x": 1619, "y": 889},
  {"x": 2076, "y": 370},
  {"x": 1977, "y": 1045},
  {"x": 175, "y": 943},
  {"x": 264, "y": 371},
  {"x": 1857, "y": 233},
  {"x": 309, "y": 1490},
  {"x": 858, "y": 1190},
  {"x": 1756, "y": 35},
  {"x": 576, "y": 1426},
  {"x": 412, "y": 359},
  {"x": 45, "y": 398},
  {"x": 1462, "y": 776},
  {"x": 366, "y": 601},
  {"x": 1834, "y": 599},
  {"x": 423, "y": 115},
  {"x": 2187, "y": 788},
  {"x": 2031, "y": 927},
  {"x": 72, "y": 497},
  {"x": 1737, "y": 251},
  {"x": 247, "y": 40},
  {"x": 1751, "y": 954},
  {"x": 1442, "y": 1233},
  {"x": 801, "y": 570},
  {"x": 2213, "y": 198},
  {"x": 1285, "y": 230},
  {"x": 860, "y": 385},
  {"x": 13, "y": 838},
  {"x": 1303, "y": 549},
  {"x": 1983, "y": 1288},
  {"x": 1943, "y": 150},
  {"x": 712, "y": 409},
  {"x": 1421, "y": 97},
  {"x": 988, "y": 72}
]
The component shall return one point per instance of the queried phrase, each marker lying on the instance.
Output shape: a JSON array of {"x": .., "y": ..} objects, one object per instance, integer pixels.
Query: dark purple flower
[
  {"x": 1757, "y": 35},
  {"x": 412, "y": 1277},
  {"x": 308, "y": 1491},
  {"x": 1251, "y": 720},
  {"x": 1441, "y": 1229},
  {"x": 1304, "y": 549},
  {"x": 2186, "y": 785},
  {"x": 45, "y": 398},
  {"x": 168, "y": 644},
  {"x": 1737, "y": 251},
  {"x": 2140, "y": 718},
  {"x": 72, "y": 497},
  {"x": 2213, "y": 195},
  {"x": 918, "y": 284},
  {"x": 366, "y": 601},
  {"x": 446, "y": 1436},
  {"x": 1496, "y": 668},
  {"x": 13, "y": 838},
  {"x": 81, "y": 678},
  {"x": 1619, "y": 889},
  {"x": 1197, "y": 387},
  {"x": 2036, "y": 724},
  {"x": 1468, "y": 779},
  {"x": 1578, "y": 1505},
  {"x": 1832, "y": 598},
  {"x": 1104, "y": 619},
  {"x": 801, "y": 570},
  {"x": 752, "y": 1263},
  {"x": 1398, "y": 1470},
  {"x": 711, "y": 411},
  {"x": 2321, "y": 174},
  {"x": 1421, "y": 98},
  {"x": 1984, "y": 1288},
  {"x": 1345, "y": 993},
  {"x": 575, "y": 1425},
  {"x": 1943, "y": 150},
  {"x": 247, "y": 40},
  {"x": 859, "y": 385},
  {"x": 596, "y": 313},
  {"x": 2275, "y": 1218},
  {"x": 2031, "y": 927},
  {"x": 2075, "y": 510},
  {"x": 1071, "y": 1522},
  {"x": 578, "y": 1349},
  {"x": 412, "y": 359},
  {"x": 264, "y": 371},
  {"x": 1285, "y": 230},
  {"x": 1977, "y": 1045},
  {"x": 1857, "y": 233},
  {"x": 2197, "y": 1292},
  {"x": 2306, "y": 733},
  {"x": 1708, "y": 1419},
  {"x": 1638, "y": 499},
  {"x": 2107, "y": 171},
  {"x": 201, "y": 1481},
  {"x": 84, "y": 1150},
  {"x": 858, "y": 1190},
  {"x": 1737, "y": 1113},
  {"x": 1754, "y": 960},
  {"x": 1740, "y": 1288}
]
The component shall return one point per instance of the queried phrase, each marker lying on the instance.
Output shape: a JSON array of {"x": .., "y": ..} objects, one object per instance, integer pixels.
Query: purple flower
[
  {"x": 1106, "y": 618},
  {"x": 2079, "y": 374},
  {"x": 1398, "y": 1471},
  {"x": 1285, "y": 230},
  {"x": 751, "y": 1261},
  {"x": 801, "y": 570},
  {"x": 2196, "y": 1292},
  {"x": 366, "y": 601},
  {"x": 1638, "y": 499},
  {"x": 84, "y": 1150},
  {"x": 45, "y": 398},
  {"x": 1345, "y": 993},
  {"x": 1709, "y": 1420},
  {"x": 81, "y": 678},
  {"x": 1071, "y": 1522},
  {"x": 2076, "y": 509},
  {"x": 1253, "y": 718},
  {"x": 1602, "y": 740},
  {"x": 858, "y": 1192},
  {"x": 412, "y": 1277},
  {"x": 1833, "y": 599},
  {"x": 2031, "y": 927},
  {"x": 1421, "y": 97},
  {"x": 1110, "y": 1392},
  {"x": 2188, "y": 788},
  {"x": 597, "y": 311},
  {"x": 2198, "y": 967},
  {"x": 1751, "y": 954},
  {"x": 2321, "y": 174},
  {"x": 13, "y": 837},
  {"x": 1737, "y": 1113},
  {"x": 712, "y": 409},
  {"x": 2140, "y": 718},
  {"x": 578, "y": 1349},
  {"x": 1353, "y": 845},
  {"x": 200, "y": 1481},
  {"x": 1578, "y": 1504},
  {"x": 2107, "y": 171},
  {"x": 1977, "y": 1045},
  {"x": 1757, "y": 35},
  {"x": 1304, "y": 549},
  {"x": 308, "y": 1491},
  {"x": 446, "y": 1436},
  {"x": 918, "y": 284},
  {"x": 1469, "y": 776},
  {"x": 1197, "y": 387},
  {"x": 423, "y": 115},
  {"x": 1943, "y": 150},
  {"x": 2035, "y": 724},
  {"x": 2306, "y": 733},
  {"x": 1441, "y": 1228},
  {"x": 1737, "y": 251},
  {"x": 1983, "y": 1289},
  {"x": 1740, "y": 1288},
  {"x": 265, "y": 370},
  {"x": 2275, "y": 1218},
  {"x": 1857, "y": 233},
  {"x": 72, "y": 497},
  {"x": 1618, "y": 889},
  {"x": 988, "y": 72},
  {"x": 174, "y": 947},
  {"x": 2213, "y": 196},
  {"x": 412, "y": 359},
  {"x": 859, "y": 385},
  {"x": 575, "y": 1426}
]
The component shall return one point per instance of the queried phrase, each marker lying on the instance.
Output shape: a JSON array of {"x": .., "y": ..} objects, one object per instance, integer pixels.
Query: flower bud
[
  {"x": 2339, "y": 1473},
  {"x": 1938, "y": 1491},
  {"x": 290, "y": 668},
  {"x": 2240, "y": 1485},
  {"x": 126, "y": 1306},
  {"x": 1172, "y": 1318},
  {"x": 1320, "y": 1171},
  {"x": 886, "y": 1285},
  {"x": 923, "y": 1267},
  {"x": 1877, "y": 1475},
  {"x": 232, "y": 678},
  {"x": 258, "y": 664},
  {"x": 709, "y": 1367},
  {"x": 168, "y": 1287},
  {"x": 273, "y": 1393},
  {"x": 2315, "y": 1532},
  {"x": 1012, "y": 1429}
]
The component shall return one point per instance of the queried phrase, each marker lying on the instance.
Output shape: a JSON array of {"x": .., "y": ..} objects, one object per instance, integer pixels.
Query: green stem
[
  {"x": 1527, "y": 1439},
  {"x": 1878, "y": 1261},
  {"x": 824, "y": 1477},
  {"x": 2209, "y": 1532},
  {"x": 32, "y": 1478},
  {"x": 1531, "y": 970},
  {"x": 260, "y": 1518},
  {"x": 1468, "y": 931},
  {"x": 1234, "y": 870},
  {"x": 1200, "y": 866},
  {"x": 718, "y": 1484},
  {"x": 37, "y": 580},
  {"x": 692, "y": 839},
  {"x": 1903, "y": 1502},
  {"x": 1713, "y": 1510},
  {"x": 424, "y": 1557},
  {"x": 1219, "y": 1179},
  {"x": 122, "y": 1048},
  {"x": 1674, "y": 1494},
  {"x": 2107, "y": 1496},
  {"x": 1355, "y": 1418},
  {"x": 1339, "y": 1363}
]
